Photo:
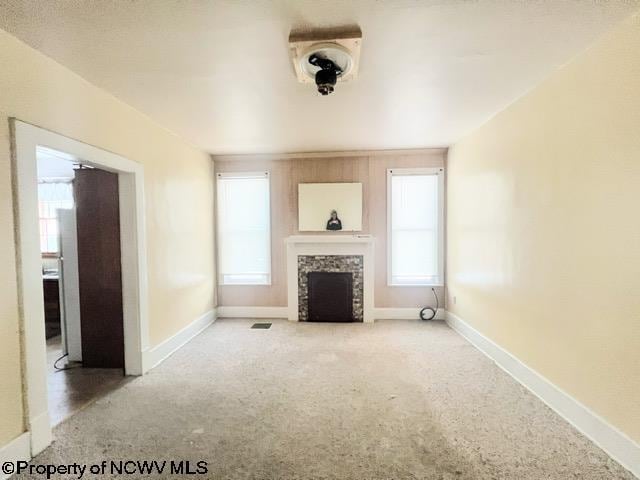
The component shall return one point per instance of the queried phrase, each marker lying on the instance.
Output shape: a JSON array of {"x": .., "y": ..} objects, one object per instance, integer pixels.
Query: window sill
[{"x": 415, "y": 284}]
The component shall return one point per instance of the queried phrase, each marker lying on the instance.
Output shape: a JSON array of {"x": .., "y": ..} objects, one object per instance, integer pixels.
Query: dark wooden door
[{"x": 99, "y": 268}]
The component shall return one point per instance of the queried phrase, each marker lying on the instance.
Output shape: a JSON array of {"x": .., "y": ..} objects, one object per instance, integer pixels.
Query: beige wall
[
  {"x": 178, "y": 190},
  {"x": 371, "y": 170},
  {"x": 544, "y": 228}
]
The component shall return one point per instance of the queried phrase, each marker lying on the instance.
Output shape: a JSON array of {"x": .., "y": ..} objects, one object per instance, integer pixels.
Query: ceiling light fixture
[{"x": 326, "y": 57}]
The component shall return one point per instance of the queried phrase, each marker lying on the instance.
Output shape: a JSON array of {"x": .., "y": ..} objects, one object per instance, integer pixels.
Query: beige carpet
[{"x": 396, "y": 400}]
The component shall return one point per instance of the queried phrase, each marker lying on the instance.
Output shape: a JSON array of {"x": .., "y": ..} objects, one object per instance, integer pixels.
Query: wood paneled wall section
[{"x": 371, "y": 170}]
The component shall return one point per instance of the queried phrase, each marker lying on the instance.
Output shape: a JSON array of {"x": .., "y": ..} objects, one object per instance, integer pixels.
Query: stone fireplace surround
[
  {"x": 346, "y": 253},
  {"x": 353, "y": 264}
]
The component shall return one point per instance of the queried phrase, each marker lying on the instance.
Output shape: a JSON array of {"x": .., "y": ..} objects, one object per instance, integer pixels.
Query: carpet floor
[{"x": 393, "y": 400}]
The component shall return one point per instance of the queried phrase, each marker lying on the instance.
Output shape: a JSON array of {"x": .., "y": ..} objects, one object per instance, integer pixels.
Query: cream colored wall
[
  {"x": 286, "y": 173},
  {"x": 178, "y": 195},
  {"x": 544, "y": 228}
]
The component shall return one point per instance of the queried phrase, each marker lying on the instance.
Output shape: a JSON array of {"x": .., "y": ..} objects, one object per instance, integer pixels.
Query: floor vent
[{"x": 261, "y": 325}]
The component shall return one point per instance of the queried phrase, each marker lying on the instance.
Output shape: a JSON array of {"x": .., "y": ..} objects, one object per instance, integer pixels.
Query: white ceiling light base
[{"x": 342, "y": 47}]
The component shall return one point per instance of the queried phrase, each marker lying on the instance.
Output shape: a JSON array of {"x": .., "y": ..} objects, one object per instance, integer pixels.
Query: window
[
  {"x": 52, "y": 196},
  {"x": 244, "y": 230},
  {"x": 415, "y": 212}
]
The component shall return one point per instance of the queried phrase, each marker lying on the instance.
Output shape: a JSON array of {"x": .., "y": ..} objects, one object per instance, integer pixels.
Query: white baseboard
[
  {"x": 41, "y": 432},
  {"x": 614, "y": 442},
  {"x": 282, "y": 312},
  {"x": 154, "y": 356},
  {"x": 18, "y": 449},
  {"x": 403, "y": 313},
  {"x": 252, "y": 312}
]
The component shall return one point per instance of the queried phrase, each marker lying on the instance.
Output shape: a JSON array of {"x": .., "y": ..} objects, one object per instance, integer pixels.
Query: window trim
[
  {"x": 440, "y": 172},
  {"x": 241, "y": 175}
]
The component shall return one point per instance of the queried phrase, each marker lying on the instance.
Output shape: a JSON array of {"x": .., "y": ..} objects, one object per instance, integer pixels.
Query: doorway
[
  {"x": 78, "y": 210},
  {"x": 28, "y": 139}
]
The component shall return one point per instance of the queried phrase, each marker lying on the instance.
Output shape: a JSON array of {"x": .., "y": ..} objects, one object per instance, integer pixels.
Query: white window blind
[
  {"x": 415, "y": 226},
  {"x": 244, "y": 230},
  {"x": 52, "y": 195}
]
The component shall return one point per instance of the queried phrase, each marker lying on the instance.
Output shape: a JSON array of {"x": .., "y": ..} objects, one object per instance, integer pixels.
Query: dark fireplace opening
[{"x": 330, "y": 296}]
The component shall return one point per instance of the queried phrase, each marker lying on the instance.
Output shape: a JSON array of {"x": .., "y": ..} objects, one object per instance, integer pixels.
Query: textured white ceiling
[
  {"x": 218, "y": 72},
  {"x": 51, "y": 165}
]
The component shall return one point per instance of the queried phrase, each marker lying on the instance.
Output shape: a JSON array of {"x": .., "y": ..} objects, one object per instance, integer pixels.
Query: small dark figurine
[{"x": 334, "y": 222}]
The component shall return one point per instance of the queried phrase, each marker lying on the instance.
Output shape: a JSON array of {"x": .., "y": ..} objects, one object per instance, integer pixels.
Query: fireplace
[
  {"x": 344, "y": 254},
  {"x": 330, "y": 297},
  {"x": 347, "y": 267}
]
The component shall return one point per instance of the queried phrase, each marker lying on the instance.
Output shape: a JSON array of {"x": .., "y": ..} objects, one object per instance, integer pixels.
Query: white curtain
[
  {"x": 414, "y": 229},
  {"x": 244, "y": 230}
]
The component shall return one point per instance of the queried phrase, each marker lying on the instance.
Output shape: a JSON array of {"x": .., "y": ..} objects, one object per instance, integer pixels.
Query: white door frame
[{"x": 27, "y": 138}]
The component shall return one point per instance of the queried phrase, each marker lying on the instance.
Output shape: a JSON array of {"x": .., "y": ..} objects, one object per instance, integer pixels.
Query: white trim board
[
  {"x": 156, "y": 355},
  {"x": 337, "y": 153},
  {"x": 18, "y": 449},
  {"x": 252, "y": 312},
  {"x": 615, "y": 443},
  {"x": 26, "y": 140},
  {"x": 403, "y": 313}
]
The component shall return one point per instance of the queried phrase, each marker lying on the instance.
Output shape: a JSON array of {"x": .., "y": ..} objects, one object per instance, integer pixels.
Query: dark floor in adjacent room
[
  {"x": 396, "y": 399},
  {"x": 73, "y": 389}
]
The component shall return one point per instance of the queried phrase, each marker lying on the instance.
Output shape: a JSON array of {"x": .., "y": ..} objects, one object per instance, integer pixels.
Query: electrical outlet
[{"x": 455, "y": 300}]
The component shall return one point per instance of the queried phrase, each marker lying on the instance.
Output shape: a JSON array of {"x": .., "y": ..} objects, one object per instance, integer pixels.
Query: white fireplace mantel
[
  {"x": 330, "y": 245},
  {"x": 328, "y": 239}
]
